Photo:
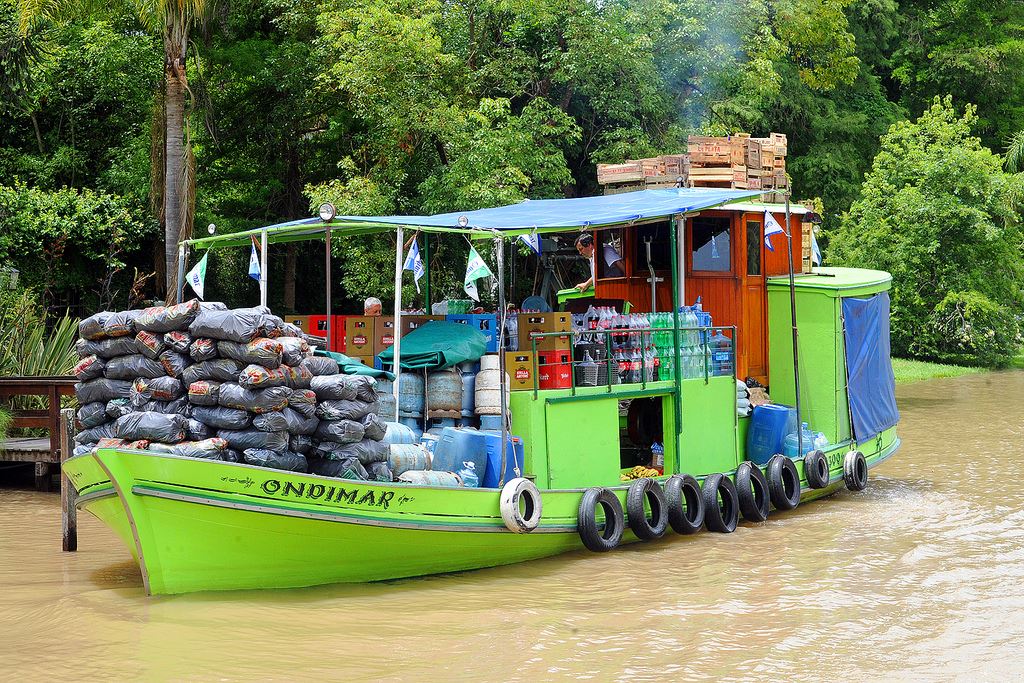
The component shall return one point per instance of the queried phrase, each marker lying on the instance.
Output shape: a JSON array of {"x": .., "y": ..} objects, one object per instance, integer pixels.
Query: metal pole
[
  {"x": 499, "y": 248},
  {"x": 426, "y": 273},
  {"x": 180, "y": 294},
  {"x": 263, "y": 267},
  {"x": 397, "y": 368},
  {"x": 792, "y": 314},
  {"x": 677, "y": 289},
  {"x": 327, "y": 270}
]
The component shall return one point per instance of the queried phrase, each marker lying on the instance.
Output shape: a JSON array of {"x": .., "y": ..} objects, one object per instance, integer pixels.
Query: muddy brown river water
[{"x": 921, "y": 577}]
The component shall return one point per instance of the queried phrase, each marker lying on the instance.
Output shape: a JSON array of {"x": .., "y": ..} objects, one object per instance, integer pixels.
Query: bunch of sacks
[{"x": 199, "y": 380}]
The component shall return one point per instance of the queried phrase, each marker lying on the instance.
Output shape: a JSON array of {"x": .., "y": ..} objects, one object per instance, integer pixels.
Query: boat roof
[{"x": 528, "y": 216}]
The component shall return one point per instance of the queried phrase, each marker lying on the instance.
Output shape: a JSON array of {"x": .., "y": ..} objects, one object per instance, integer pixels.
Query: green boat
[{"x": 196, "y": 525}]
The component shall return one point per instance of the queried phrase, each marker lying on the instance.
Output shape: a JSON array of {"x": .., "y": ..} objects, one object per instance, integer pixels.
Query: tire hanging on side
[
  {"x": 721, "y": 511},
  {"x": 646, "y": 528},
  {"x": 855, "y": 471},
  {"x": 816, "y": 470},
  {"x": 685, "y": 504},
  {"x": 593, "y": 536},
  {"x": 783, "y": 482},
  {"x": 752, "y": 491}
]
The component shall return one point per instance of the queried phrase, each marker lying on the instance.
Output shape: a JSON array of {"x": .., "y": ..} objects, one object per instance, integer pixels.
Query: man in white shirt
[{"x": 612, "y": 259}]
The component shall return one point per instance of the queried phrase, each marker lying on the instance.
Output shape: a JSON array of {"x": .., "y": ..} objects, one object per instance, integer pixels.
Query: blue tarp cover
[{"x": 872, "y": 386}]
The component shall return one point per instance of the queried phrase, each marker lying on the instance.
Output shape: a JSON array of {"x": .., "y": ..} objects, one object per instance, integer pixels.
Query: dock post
[{"x": 68, "y": 495}]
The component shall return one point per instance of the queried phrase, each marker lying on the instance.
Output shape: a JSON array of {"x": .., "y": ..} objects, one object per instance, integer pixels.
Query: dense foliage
[{"x": 399, "y": 106}]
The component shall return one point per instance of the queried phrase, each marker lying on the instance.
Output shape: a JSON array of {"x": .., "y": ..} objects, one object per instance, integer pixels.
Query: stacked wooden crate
[
  {"x": 766, "y": 166},
  {"x": 654, "y": 173},
  {"x": 718, "y": 162}
]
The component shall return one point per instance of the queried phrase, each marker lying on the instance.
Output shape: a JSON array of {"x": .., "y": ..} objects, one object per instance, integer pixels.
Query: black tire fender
[
  {"x": 816, "y": 470},
  {"x": 855, "y": 471},
  {"x": 685, "y": 504},
  {"x": 592, "y": 534},
  {"x": 783, "y": 482},
  {"x": 752, "y": 492},
  {"x": 721, "y": 508},
  {"x": 646, "y": 528}
]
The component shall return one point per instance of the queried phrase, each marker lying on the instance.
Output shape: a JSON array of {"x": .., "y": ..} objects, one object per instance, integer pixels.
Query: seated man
[
  {"x": 372, "y": 306},
  {"x": 612, "y": 259}
]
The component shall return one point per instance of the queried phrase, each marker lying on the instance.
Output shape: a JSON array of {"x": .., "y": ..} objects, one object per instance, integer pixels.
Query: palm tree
[
  {"x": 172, "y": 19},
  {"x": 1014, "y": 158}
]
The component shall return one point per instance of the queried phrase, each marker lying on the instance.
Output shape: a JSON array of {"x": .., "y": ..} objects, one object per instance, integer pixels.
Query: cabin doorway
[{"x": 754, "y": 301}]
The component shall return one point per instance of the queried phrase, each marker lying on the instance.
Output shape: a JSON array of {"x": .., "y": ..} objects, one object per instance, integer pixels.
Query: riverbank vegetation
[
  {"x": 114, "y": 141},
  {"x": 907, "y": 370}
]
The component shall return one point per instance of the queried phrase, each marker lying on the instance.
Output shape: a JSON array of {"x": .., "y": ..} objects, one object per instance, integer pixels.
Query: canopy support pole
[
  {"x": 397, "y": 367},
  {"x": 677, "y": 291},
  {"x": 499, "y": 248},
  {"x": 792, "y": 314},
  {"x": 426, "y": 273},
  {"x": 327, "y": 270},
  {"x": 179, "y": 295},
  {"x": 263, "y": 267}
]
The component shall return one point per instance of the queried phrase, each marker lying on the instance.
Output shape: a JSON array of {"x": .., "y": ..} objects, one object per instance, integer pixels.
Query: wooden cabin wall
[{"x": 776, "y": 262}]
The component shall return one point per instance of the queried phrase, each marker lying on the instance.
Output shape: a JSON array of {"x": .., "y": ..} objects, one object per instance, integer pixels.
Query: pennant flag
[
  {"x": 771, "y": 227},
  {"x": 414, "y": 263},
  {"x": 475, "y": 269},
  {"x": 254, "y": 262},
  {"x": 815, "y": 250},
  {"x": 532, "y": 240},
  {"x": 197, "y": 276}
]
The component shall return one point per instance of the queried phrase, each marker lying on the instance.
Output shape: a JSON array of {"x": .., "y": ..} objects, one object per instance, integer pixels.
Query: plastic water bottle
[
  {"x": 820, "y": 441},
  {"x": 658, "y": 456},
  {"x": 468, "y": 475}
]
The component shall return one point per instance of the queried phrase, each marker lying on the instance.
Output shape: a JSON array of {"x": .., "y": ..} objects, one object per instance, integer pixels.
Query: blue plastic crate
[{"x": 487, "y": 323}]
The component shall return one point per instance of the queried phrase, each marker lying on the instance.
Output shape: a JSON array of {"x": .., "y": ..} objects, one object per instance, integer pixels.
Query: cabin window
[
  {"x": 608, "y": 255},
  {"x": 661, "y": 248},
  {"x": 710, "y": 245},
  {"x": 753, "y": 248}
]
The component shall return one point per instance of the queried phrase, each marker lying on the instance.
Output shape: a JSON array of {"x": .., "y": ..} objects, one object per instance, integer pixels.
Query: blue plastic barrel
[
  {"x": 456, "y": 446},
  {"x": 514, "y": 462},
  {"x": 768, "y": 429}
]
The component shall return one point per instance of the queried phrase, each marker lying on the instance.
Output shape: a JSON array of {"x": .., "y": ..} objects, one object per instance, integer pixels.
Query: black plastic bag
[
  {"x": 373, "y": 427},
  {"x": 334, "y": 387},
  {"x": 262, "y": 351},
  {"x": 220, "y": 370},
  {"x": 291, "y": 330},
  {"x": 84, "y": 448},
  {"x": 258, "y": 377},
  {"x": 240, "y": 325},
  {"x": 287, "y": 420},
  {"x": 178, "y": 341},
  {"x": 156, "y": 389},
  {"x": 379, "y": 471},
  {"x": 339, "y": 431},
  {"x": 196, "y": 430},
  {"x": 88, "y": 368},
  {"x": 271, "y": 422},
  {"x": 202, "y": 349},
  {"x": 366, "y": 451},
  {"x": 294, "y": 350},
  {"x": 297, "y": 377},
  {"x": 174, "y": 363},
  {"x": 303, "y": 401},
  {"x": 107, "y": 348},
  {"x": 92, "y": 327},
  {"x": 255, "y": 401},
  {"x": 300, "y": 444},
  {"x": 349, "y": 468},
  {"x": 121, "y": 324},
  {"x": 284, "y": 460},
  {"x": 345, "y": 410},
  {"x": 150, "y": 344},
  {"x": 203, "y": 393},
  {"x": 272, "y": 325},
  {"x": 253, "y": 438},
  {"x": 222, "y": 418},
  {"x": 153, "y": 426},
  {"x": 133, "y": 366},
  {"x": 320, "y": 366},
  {"x": 92, "y": 414},
  {"x": 102, "y": 390},
  {"x": 117, "y": 407},
  {"x": 210, "y": 449},
  {"x": 103, "y": 431},
  {"x": 213, "y": 306},
  {"x": 231, "y": 455},
  {"x": 167, "y": 318},
  {"x": 179, "y": 406}
]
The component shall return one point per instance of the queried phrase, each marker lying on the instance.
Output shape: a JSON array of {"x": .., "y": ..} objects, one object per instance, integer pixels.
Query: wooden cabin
[{"x": 723, "y": 260}]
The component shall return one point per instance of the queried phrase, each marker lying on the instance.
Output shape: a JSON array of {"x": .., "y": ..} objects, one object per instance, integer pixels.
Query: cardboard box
[
  {"x": 542, "y": 323},
  {"x": 383, "y": 332},
  {"x": 300, "y": 321},
  {"x": 411, "y": 322},
  {"x": 359, "y": 335},
  {"x": 368, "y": 361},
  {"x": 519, "y": 366}
]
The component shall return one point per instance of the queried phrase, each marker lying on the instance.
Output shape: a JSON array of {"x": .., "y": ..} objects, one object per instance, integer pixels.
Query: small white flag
[
  {"x": 771, "y": 227},
  {"x": 532, "y": 240},
  {"x": 475, "y": 268},
  {"x": 196, "y": 277},
  {"x": 414, "y": 263},
  {"x": 254, "y": 262}
]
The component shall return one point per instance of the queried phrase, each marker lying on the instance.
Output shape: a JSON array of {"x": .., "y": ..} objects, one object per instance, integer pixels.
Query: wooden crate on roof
[{"x": 631, "y": 171}]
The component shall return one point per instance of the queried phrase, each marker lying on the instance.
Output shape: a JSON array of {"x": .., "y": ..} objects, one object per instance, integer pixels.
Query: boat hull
[{"x": 197, "y": 525}]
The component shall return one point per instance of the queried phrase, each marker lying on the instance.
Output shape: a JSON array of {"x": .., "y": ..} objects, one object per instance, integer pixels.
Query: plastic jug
[
  {"x": 468, "y": 474},
  {"x": 791, "y": 446}
]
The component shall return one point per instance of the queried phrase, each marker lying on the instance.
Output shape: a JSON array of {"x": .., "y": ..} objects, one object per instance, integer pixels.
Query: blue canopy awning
[{"x": 542, "y": 215}]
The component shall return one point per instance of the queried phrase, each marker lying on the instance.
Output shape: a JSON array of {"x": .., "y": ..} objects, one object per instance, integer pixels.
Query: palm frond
[{"x": 1014, "y": 158}]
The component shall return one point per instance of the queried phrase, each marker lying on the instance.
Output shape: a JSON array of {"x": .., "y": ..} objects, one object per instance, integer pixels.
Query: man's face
[
  {"x": 585, "y": 252},
  {"x": 372, "y": 309}
]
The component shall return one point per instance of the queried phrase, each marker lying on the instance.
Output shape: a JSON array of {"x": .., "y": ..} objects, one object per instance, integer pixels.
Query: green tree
[{"x": 939, "y": 213}]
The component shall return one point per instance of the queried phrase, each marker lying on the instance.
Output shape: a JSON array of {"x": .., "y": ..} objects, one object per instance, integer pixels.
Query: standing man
[
  {"x": 372, "y": 306},
  {"x": 612, "y": 259}
]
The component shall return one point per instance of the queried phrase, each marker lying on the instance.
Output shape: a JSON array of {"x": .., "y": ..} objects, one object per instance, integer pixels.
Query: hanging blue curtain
[{"x": 872, "y": 386}]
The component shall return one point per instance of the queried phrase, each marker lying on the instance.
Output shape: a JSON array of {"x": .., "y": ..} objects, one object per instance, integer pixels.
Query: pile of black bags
[{"x": 199, "y": 380}]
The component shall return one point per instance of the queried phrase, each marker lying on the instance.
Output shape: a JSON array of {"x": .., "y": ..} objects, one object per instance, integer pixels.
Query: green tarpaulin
[
  {"x": 350, "y": 366},
  {"x": 438, "y": 345}
]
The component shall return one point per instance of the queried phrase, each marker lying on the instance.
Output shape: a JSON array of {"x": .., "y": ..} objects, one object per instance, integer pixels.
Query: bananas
[{"x": 639, "y": 472}]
